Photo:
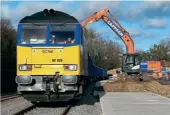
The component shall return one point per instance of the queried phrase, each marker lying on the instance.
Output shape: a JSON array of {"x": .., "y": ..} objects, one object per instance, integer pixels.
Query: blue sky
[{"x": 148, "y": 22}]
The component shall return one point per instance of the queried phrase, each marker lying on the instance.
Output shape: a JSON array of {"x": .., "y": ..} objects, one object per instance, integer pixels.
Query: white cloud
[
  {"x": 135, "y": 13},
  {"x": 5, "y": 11},
  {"x": 146, "y": 9},
  {"x": 88, "y": 8},
  {"x": 28, "y": 8},
  {"x": 149, "y": 34},
  {"x": 155, "y": 4},
  {"x": 80, "y": 12},
  {"x": 134, "y": 32},
  {"x": 155, "y": 23}
]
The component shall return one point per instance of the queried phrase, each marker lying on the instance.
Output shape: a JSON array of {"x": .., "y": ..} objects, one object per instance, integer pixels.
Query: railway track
[
  {"x": 66, "y": 110},
  {"x": 7, "y": 97},
  {"x": 58, "y": 109}
]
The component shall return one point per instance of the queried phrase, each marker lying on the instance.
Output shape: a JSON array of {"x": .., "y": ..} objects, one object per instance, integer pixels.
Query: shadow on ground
[
  {"x": 88, "y": 98},
  {"x": 52, "y": 104}
]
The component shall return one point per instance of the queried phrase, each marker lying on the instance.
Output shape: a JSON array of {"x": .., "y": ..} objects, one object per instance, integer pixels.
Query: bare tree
[
  {"x": 8, "y": 56},
  {"x": 104, "y": 53}
]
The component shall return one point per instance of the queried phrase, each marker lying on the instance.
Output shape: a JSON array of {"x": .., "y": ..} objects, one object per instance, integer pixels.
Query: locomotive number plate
[{"x": 47, "y": 51}]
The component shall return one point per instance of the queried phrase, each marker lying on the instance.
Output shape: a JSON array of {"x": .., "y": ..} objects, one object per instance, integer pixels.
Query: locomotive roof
[{"x": 59, "y": 17}]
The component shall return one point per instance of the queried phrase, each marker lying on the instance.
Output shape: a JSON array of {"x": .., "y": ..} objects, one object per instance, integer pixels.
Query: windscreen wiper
[
  {"x": 63, "y": 23},
  {"x": 36, "y": 24}
]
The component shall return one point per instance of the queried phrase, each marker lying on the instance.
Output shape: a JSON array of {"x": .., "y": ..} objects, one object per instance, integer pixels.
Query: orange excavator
[{"x": 130, "y": 60}]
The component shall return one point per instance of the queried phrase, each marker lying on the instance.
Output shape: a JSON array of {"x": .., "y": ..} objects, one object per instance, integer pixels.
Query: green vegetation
[
  {"x": 159, "y": 51},
  {"x": 8, "y": 56}
]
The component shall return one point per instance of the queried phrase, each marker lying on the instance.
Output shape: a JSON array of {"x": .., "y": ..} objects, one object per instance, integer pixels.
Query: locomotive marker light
[
  {"x": 25, "y": 67},
  {"x": 46, "y": 12},
  {"x": 52, "y": 12},
  {"x": 70, "y": 67}
]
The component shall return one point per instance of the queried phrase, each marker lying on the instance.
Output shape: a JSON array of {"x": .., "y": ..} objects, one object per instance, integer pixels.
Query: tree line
[
  {"x": 8, "y": 56},
  {"x": 160, "y": 51},
  {"x": 104, "y": 53}
]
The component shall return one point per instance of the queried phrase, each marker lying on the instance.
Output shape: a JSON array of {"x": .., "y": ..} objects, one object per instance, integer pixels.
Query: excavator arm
[
  {"x": 115, "y": 26},
  {"x": 130, "y": 61}
]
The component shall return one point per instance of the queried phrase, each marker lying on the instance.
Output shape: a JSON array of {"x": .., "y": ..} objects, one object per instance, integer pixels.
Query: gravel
[
  {"x": 11, "y": 106},
  {"x": 87, "y": 105},
  {"x": 46, "y": 111}
]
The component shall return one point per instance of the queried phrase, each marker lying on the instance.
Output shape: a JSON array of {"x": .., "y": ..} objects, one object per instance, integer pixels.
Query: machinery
[
  {"x": 130, "y": 60},
  {"x": 52, "y": 58}
]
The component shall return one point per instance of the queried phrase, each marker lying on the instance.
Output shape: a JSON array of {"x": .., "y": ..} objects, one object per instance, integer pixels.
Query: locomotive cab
[{"x": 49, "y": 67}]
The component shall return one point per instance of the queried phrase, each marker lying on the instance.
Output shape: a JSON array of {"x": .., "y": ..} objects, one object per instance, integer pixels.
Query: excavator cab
[{"x": 130, "y": 63}]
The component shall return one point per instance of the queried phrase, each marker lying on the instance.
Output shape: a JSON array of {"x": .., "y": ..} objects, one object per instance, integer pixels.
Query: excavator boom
[
  {"x": 130, "y": 59},
  {"x": 116, "y": 27}
]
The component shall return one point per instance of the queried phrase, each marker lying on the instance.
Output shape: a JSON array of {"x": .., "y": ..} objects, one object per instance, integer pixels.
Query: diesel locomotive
[{"x": 53, "y": 63}]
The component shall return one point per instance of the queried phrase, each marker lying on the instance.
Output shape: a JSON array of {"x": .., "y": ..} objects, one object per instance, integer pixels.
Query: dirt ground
[
  {"x": 130, "y": 85},
  {"x": 113, "y": 71}
]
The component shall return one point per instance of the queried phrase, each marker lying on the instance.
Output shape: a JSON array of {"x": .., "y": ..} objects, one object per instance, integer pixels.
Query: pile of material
[
  {"x": 130, "y": 85},
  {"x": 113, "y": 71},
  {"x": 165, "y": 63}
]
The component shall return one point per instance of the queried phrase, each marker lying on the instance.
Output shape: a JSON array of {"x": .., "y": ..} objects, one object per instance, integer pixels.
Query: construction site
[{"x": 97, "y": 59}]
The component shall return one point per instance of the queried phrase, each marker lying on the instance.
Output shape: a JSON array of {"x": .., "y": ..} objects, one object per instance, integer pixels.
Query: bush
[{"x": 8, "y": 56}]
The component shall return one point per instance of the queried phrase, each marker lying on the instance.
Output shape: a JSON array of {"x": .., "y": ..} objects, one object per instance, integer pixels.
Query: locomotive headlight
[
  {"x": 70, "y": 67},
  {"x": 23, "y": 79},
  {"x": 69, "y": 79},
  {"x": 25, "y": 67}
]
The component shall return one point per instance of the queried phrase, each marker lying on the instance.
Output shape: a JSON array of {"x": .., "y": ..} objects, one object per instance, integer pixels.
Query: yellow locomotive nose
[
  {"x": 50, "y": 55},
  {"x": 49, "y": 60}
]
